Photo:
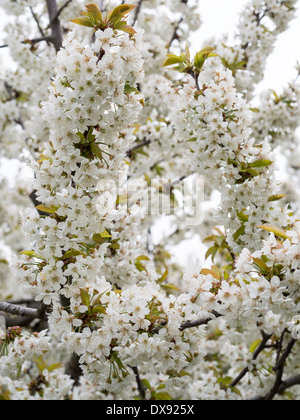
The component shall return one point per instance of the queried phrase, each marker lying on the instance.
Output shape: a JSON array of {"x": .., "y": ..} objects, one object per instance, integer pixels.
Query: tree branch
[
  {"x": 137, "y": 11},
  {"x": 258, "y": 351},
  {"x": 56, "y": 30},
  {"x": 199, "y": 322},
  {"x": 144, "y": 143},
  {"x": 279, "y": 369},
  {"x": 289, "y": 383},
  {"x": 32, "y": 41},
  {"x": 28, "y": 313},
  {"x": 140, "y": 384},
  {"x": 38, "y": 23},
  {"x": 62, "y": 8}
]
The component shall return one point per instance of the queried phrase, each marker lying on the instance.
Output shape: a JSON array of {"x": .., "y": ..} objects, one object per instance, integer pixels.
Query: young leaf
[
  {"x": 120, "y": 13},
  {"x": 254, "y": 346},
  {"x": 140, "y": 266},
  {"x": 105, "y": 235},
  {"x": 276, "y": 197},
  {"x": 97, "y": 151},
  {"x": 94, "y": 9},
  {"x": 206, "y": 272},
  {"x": 212, "y": 252},
  {"x": 239, "y": 232},
  {"x": 170, "y": 287},
  {"x": 163, "y": 277},
  {"x": 72, "y": 253},
  {"x": 277, "y": 231},
  {"x": 143, "y": 258},
  {"x": 202, "y": 56},
  {"x": 264, "y": 269},
  {"x": 261, "y": 163},
  {"x": 83, "y": 21},
  {"x": 85, "y": 298},
  {"x": 122, "y": 26},
  {"x": 99, "y": 309},
  {"x": 173, "y": 59},
  {"x": 252, "y": 172},
  {"x": 50, "y": 210},
  {"x": 129, "y": 89}
]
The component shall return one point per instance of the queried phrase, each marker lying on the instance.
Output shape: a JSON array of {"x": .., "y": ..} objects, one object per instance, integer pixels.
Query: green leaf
[
  {"x": 212, "y": 252},
  {"x": 32, "y": 254},
  {"x": 163, "y": 278},
  {"x": 202, "y": 56},
  {"x": 276, "y": 197},
  {"x": 146, "y": 383},
  {"x": 261, "y": 163},
  {"x": 83, "y": 21},
  {"x": 252, "y": 172},
  {"x": 28, "y": 253},
  {"x": 243, "y": 217},
  {"x": 264, "y": 269},
  {"x": 72, "y": 253},
  {"x": 170, "y": 287},
  {"x": 120, "y": 13},
  {"x": 96, "y": 12},
  {"x": 173, "y": 59},
  {"x": 97, "y": 151},
  {"x": 129, "y": 89},
  {"x": 254, "y": 346},
  {"x": 85, "y": 298},
  {"x": 143, "y": 258},
  {"x": 280, "y": 233},
  {"x": 122, "y": 26},
  {"x": 105, "y": 235},
  {"x": 140, "y": 266},
  {"x": 162, "y": 396},
  {"x": 239, "y": 232},
  {"x": 226, "y": 380},
  {"x": 99, "y": 309},
  {"x": 44, "y": 209},
  {"x": 213, "y": 273}
]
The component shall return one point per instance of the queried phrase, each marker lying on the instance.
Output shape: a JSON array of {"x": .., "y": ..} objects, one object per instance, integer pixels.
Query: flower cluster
[{"x": 214, "y": 122}]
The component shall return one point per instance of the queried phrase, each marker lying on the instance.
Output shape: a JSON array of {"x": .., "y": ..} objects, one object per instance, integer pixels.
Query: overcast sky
[{"x": 221, "y": 16}]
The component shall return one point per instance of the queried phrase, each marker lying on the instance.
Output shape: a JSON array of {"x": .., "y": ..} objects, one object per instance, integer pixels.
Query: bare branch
[
  {"x": 140, "y": 384},
  {"x": 38, "y": 23},
  {"x": 29, "y": 313},
  {"x": 137, "y": 11},
  {"x": 258, "y": 351},
  {"x": 199, "y": 322},
  {"x": 279, "y": 369},
  {"x": 56, "y": 30},
  {"x": 62, "y": 8},
  {"x": 144, "y": 143},
  {"x": 32, "y": 41},
  {"x": 289, "y": 383}
]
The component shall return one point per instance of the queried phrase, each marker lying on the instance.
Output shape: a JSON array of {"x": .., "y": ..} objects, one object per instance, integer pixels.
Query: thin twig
[
  {"x": 258, "y": 351},
  {"x": 137, "y": 11},
  {"x": 62, "y": 8},
  {"x": 279, "y": 369},
  {"x": 38, "y": 23},
  {"x": 199, "y": 322},
  {"x": 32, "y": 41},
  {"x": 140, "y": 385},
  {"x": 138, "y": 146}
]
